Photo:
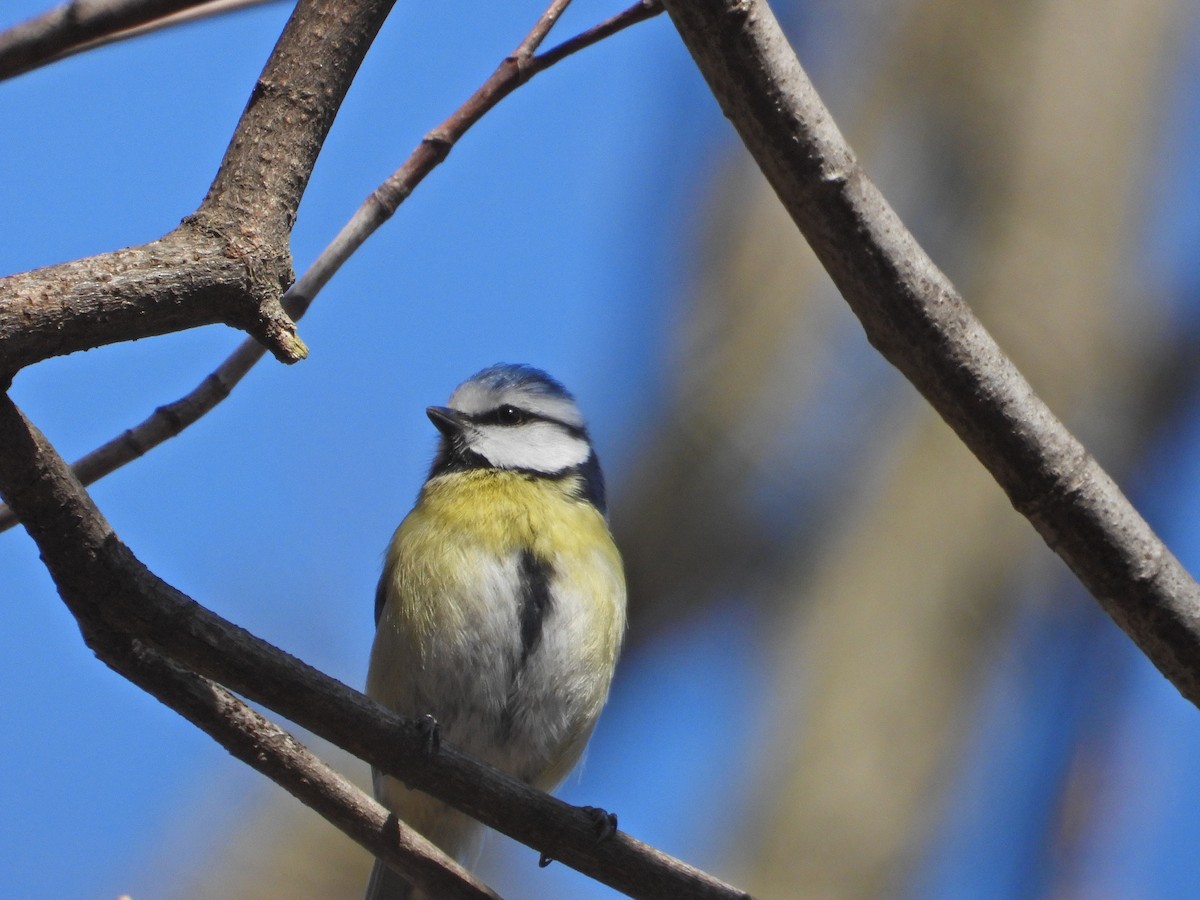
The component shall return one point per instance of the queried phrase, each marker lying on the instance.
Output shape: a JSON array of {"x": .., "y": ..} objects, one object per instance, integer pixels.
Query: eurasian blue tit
[{"x": 501, "y": 608}]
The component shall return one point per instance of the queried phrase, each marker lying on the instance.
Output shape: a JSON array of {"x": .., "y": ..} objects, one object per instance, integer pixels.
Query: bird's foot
[
  {"x": 429, "y": 729},
  {"x": 604, "y": 822}
]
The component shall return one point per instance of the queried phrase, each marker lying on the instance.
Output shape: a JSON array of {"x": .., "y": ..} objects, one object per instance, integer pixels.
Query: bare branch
[
  {"x": 86, "y": 24},
  {"x": 230, "y": 260},
  {"x": 541, "y": 28},
  {"x": 183, "y": 280},
  {"x": 383, "y": 202},
  {"x": 512, "y": 72},
  {"x": 271, "y": 155},
  {"x": 913, "y": 315},
  {"x": 116, "y": 599},
  {"x": 68, "y": 27},
  {"x": 164, "y": 423},
  {"x": 273, "y": 752},
  {"x": 639, "y": 12},
  {"x": 169, "y": 420}
]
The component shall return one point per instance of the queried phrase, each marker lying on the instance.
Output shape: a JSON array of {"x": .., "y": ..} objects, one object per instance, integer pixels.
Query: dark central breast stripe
[{"x": 534, "y": 576}]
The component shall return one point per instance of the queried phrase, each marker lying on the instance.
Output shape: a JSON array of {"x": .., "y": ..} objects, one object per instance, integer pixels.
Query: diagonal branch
[
  {"x": 171, "y": 419},
  {"x": 273, "y": 752},
  {"x": 230, "y": 261},
  {"x": 266, "y": 168},
  {"x": 913, "y": 315},
  {"x": 116, "y": 600},
  {"x": 639, "y": 12},
  {"x": 81, "y": 25}
]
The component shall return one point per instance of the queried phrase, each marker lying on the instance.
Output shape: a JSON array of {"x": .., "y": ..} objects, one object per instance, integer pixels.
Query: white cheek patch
[{"x": 538, "y": 446}]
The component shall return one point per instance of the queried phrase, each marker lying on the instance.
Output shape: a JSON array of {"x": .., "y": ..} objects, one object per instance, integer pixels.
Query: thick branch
[
  {"x": 917, "y": 320},
  {"x": 115, "y": 598},
  {"x": 230, "y": 261},
  {"x": 183, "y": 280},
  {"x": 289, "y": 114},
  {"x": 270, "y": 750}
]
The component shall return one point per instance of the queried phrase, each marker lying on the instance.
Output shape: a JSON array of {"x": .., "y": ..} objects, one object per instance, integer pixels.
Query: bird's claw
[
  {"x": 604, "y": 822},
  {"x": 429, "y": 729}
]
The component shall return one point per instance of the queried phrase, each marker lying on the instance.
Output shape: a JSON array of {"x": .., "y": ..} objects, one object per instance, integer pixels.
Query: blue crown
[{"x": 503, "y": 376}]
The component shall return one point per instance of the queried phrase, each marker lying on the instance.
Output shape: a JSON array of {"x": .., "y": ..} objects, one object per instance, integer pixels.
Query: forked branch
[{"x": 230, "y": 261}]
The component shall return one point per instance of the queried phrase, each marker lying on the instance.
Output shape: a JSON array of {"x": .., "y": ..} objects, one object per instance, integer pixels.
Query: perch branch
[
  {"x": 116, "y": 599},
  {"x": 270, "y": 750}
]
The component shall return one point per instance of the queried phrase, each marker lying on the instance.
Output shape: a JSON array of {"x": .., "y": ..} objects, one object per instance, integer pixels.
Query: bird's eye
[{"x": 510, "y": 415}]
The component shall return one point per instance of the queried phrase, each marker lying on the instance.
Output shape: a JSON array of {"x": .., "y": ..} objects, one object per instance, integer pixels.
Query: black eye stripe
[{"x": 503, "y": 416}]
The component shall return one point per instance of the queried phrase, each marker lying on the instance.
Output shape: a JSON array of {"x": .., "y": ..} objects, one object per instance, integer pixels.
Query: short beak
[{"x": 446, "y": 420}]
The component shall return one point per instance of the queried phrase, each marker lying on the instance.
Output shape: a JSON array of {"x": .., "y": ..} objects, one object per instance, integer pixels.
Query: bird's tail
[
  {"x": 454, "y": 832},
  {"x": 386, "y": 884}
]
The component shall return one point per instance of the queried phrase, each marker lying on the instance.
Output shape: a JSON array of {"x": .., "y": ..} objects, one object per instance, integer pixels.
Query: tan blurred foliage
[
  {"x": 277, "y": 849},
  {"x": 1050, "y": 105}
]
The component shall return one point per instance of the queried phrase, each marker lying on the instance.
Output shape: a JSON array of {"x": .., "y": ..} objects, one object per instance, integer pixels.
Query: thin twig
[
  {"x": 639, "y": 12},
  {"x": 79, "y": 26},
  {"x": 171, "y": 419},
  {"x": 534, "y": 39}
]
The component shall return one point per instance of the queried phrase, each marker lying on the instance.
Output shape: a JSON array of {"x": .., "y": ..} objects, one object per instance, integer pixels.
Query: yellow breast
[{"x": 438, "y": 562}]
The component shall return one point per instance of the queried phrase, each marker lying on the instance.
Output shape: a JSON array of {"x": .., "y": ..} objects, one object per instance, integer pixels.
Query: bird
[{"x": 500, "y": 611}]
